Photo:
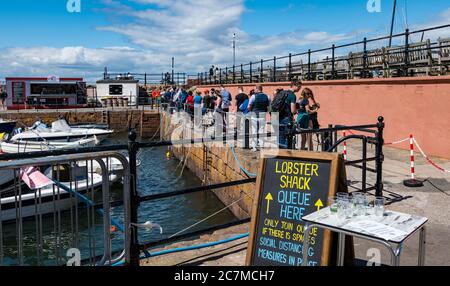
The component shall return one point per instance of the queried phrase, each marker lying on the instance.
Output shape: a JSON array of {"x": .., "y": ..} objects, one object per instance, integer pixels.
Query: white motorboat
[
  {"x": 53, "y": 198},
  {"x": 36, "y": 146},
  {"x": 60, "y": 131}
]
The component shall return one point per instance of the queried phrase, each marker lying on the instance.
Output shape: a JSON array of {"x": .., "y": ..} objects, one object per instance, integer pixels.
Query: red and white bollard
[
  {"x": 411, "y": 148},
  {"x": 345, "y": 147},
  {"x": 412, "y": 183}
]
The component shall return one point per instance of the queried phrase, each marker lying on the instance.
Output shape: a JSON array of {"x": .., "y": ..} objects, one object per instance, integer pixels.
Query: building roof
[
  {"x": 42, "y": 79},
  {"x": 117, "y": 81}
]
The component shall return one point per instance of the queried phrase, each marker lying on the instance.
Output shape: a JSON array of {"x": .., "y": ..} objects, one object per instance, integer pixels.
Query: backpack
[
  {"x": 244, "y": 107},
  {"x": 183, "y": 97},
  {"x": 226, "y": 99},
  {"x": 279, "y": 103}
]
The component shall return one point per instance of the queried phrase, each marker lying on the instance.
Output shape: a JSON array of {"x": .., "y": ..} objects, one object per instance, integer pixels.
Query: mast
[{"x": 392, "y": 23}]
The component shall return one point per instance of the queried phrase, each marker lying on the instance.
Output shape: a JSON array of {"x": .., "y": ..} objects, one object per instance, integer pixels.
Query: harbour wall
[
  {"x": 216, "y": 164},
  {"x": 146, "y": 123},
  {"x": 409, "y": 105}
]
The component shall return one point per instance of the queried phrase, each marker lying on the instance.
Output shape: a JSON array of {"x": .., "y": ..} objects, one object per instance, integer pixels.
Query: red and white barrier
[
  {"x": 428, "y": 159},
  {"x": 412, "y": 142},
  {"x": 411, "y": 149},
  {"x": 397, "y": 142}
]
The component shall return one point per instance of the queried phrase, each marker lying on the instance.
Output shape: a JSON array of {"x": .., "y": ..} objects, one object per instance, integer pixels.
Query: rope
[
  {"x": 428, "y": 159},
  {"x": 89, "y": 203},
  {"x": 184, "y": 163},
  {"x": 397, "y": 142},
  {"x": 207, "y": 218},
  {"x": 188, "y": 248},
  {"x": 239, "y": 163}
]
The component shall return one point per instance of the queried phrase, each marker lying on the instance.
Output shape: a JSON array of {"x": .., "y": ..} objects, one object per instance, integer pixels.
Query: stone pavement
[{"x": 431, "y": 201}]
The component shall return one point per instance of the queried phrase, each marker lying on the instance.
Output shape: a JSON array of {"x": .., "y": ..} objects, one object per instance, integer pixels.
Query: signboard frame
[{"x": 336, "y": 172}]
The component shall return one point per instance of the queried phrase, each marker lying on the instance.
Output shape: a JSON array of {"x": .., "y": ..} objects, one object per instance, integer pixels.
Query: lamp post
[
  {"x": 173, "y": 71},
  {"x": 234, "y": 49}
]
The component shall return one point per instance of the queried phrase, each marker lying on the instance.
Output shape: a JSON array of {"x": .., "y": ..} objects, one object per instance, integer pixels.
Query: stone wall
[
  {"x": 223, "y": 167},
  {"x": 146, "y": 123}
]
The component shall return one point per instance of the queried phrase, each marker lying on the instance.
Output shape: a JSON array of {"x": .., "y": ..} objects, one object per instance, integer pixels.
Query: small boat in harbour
[
  {"x": 36, "y": 146},
  {"x": 60, "y": 131}
]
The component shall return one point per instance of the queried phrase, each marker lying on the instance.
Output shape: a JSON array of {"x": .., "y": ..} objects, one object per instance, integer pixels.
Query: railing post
[
  {"x": 133, "y": 148},
  {"x": 333, "y": 60},
  {"x": 379, "y": 156},
  {"x": 242, "y": 73},
  {"x": 226, "y": 75},
  {"x": 290, "y": 67},
  {"x": 145, "y": 79},
  {"x": 251, "y": 72},
  {"x": 309, "y": 64},
  {"x": 274, "y": 69},
  {"x": 406, "y": 51},
  {"x": 220, "y": 76},
  {"x": 262, "y": 71},
  {"x": 234, "y": 74},
  {"x": 365, "y": 60}
]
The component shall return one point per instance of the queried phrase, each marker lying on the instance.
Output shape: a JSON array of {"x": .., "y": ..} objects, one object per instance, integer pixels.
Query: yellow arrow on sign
[
  {"x": 268, "y": 199},
  {"x": 319, "y": 204}
]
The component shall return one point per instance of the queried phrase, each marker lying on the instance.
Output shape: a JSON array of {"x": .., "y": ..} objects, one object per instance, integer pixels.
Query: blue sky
[{"x": 142, "y": 35}]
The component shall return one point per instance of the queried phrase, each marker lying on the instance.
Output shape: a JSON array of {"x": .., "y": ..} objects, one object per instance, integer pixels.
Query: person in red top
[
  {"x": 190, "y": 103},
  {"x": 155, "y": 95}
]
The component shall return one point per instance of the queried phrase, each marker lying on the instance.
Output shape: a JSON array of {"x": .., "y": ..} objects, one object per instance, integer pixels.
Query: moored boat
[{"x": 60, "y": 131}]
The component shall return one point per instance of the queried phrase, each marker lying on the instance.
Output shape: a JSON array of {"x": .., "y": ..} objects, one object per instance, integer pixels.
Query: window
[
  {"x": 115, "y": 89},
  {"x": 18, "y": 90},
  {"x": 53, "y": 89}
]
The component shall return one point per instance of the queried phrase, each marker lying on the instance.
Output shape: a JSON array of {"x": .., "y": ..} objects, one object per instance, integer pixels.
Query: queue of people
[{"x": 294, "y": 110}]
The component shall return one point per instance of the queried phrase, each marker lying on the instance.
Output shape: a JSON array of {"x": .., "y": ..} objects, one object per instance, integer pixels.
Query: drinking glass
[
  {"x": 344, "y": 208},
  {"x": 340, "y": 196},
  {"x": 333, "y": 203},
  {"x": 379, "y": 206},
  {"x": 358, "y": 203}
]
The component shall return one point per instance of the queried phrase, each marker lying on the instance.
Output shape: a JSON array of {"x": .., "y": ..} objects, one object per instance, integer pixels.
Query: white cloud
[
  {"x": 196, "y": 32},
  {"x": 73, "y": 61}
]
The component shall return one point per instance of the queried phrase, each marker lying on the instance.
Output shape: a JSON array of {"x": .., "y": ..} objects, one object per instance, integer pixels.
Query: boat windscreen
[{"x": 60, "y": 125}]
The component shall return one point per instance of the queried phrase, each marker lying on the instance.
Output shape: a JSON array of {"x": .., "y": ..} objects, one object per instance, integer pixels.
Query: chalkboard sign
[{"x": 290, "y": 185}]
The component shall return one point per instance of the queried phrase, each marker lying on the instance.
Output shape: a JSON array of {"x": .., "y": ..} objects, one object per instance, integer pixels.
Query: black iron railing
[
  {"x": 164, "y": 78},
  {"x": 412, "y": 55}
]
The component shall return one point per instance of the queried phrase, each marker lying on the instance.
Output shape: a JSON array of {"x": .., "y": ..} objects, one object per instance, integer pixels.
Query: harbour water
[{"x": 157, "y": 174}]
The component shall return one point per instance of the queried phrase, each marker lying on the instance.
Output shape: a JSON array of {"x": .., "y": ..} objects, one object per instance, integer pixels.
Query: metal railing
[
  {"x": 40, "y": 226},
  {"x": 164, "y": 78},
  {"x": 412, "y": 55}
]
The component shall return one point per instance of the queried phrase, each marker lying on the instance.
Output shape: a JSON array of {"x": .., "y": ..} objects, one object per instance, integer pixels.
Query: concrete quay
[{"x": 431, "y": 201}]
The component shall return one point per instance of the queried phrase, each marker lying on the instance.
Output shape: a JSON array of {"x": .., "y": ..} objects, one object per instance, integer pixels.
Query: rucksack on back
[{"x": 279, "y": 103}]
